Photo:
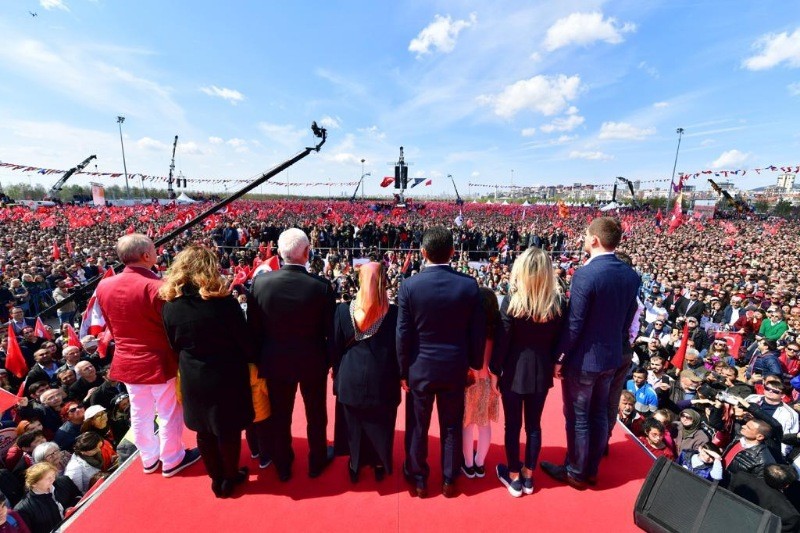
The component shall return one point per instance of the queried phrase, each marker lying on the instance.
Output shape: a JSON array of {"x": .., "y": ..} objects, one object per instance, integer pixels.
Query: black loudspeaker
[{"x": 673, "y": 500}]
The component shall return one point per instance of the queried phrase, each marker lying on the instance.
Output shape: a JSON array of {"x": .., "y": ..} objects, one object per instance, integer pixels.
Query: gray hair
[
  {"x": 43, "y": 450},
  {"x": 130, "y": 248},
  {"x": 292, "y": 246}
]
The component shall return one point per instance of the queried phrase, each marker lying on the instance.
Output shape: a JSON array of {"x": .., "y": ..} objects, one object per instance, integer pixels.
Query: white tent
[
  {"x": 505, "y": 202},
  {"x": 184, "y": 199},
  {"x": 526, "y": 203},
  {"x": 489, "y": 202},
  {"x": 609, "y": 206}
]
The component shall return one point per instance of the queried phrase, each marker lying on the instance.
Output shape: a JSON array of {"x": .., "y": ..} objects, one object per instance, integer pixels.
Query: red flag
[
  {"x": 677, "y": 214},
  {"x": 150, "y": 232},
  {"x": 406, "y": 264},
  {"x": 72, "y": 337},
  {"x": 563, "y": 210},
  {"x": 238, "y": 279},
  {"x": 103, "y": 341},
  {"x": 429, "y": 182},
  {"x": 15, "y": 361},
  {"x": 41, "y": 331},
  {"x": 266, "y": 266},
  {"x": 56, "y": 251},
  {"x": 7, "y": 400},
  {"x": 680, "y": 355},
  {"x": 387, "y": 181},
  {"x": 68, "y": 244},
  {"x": 502, "y": 243},
  {"x": 92, "y": 320},
  {"x": 130, "y": 229}
]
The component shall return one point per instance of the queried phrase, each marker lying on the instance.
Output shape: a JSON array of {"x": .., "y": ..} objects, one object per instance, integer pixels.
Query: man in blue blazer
[
  {"x": 601, "y": 307},
  {"x": 441, "y": 332}
]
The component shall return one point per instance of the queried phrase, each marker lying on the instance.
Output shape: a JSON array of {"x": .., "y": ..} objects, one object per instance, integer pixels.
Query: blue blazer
[
  {"x": 602, "y": 304},
  {"x": 441, "y": 328}
]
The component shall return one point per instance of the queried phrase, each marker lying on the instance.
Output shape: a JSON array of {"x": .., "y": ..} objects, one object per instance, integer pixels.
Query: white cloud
[
  {"x": 774, "y": 50},
  {"x": 708, "y": 142},
  {"x": 568, "y": 123},
  {"x": 585, "y": 29},
  {"x": 231, "y": 95},
  {"x": 191, "y": 148},
  {"x": 236, "y": 143},
  {"x": 374, "y": 132},
  {"x": 624, "y": 131},
  {"x": 536, "y": 57},
  {"x": 475, "y": 174},
  {"x": 440, "y": 35},
  {"x": 215, "y": 140},
  {"x": 330, "y": 123},
  {"x": 650, "y": 70},
  {"x": 592, "y": 156},
  {"x": 661, "y": 105},
  {"x": 528, "y": 132},
  {"x": 146, "y": 143},
  {"x": 566, "y": 138},
  {"x": 729, "y": 159},
  {"x": 53, "y": 4},
  {"x": 547, "y": 95},
  {"x": 794, "y": 88}
]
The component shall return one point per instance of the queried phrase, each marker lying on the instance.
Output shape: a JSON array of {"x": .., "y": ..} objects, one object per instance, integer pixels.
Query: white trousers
[{"x": 157, "y": 402}]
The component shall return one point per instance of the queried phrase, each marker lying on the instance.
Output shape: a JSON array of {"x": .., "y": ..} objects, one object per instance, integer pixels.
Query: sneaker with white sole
[
  {"x": 468, "y": 471},
  {"x": 190, "y": 457},
  {"x": 514, "y": 486},
  {"x": 527, "y": 485},
  {"x": 265, "y": 461},
  {"x": 153, "y": 467},
  {"x": 480, "y": 470}
]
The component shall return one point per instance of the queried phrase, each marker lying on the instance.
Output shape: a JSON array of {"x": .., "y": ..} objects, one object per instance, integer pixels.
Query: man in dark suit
[
  {"x": 290, "y": 313},
  {"x": 602, "y": 306},
  {"x": 691, "y": 307},
  {"x": 19, "y": 321},
  {"x": 441, "y": 332},
  {"x": 673, "y": 300}
]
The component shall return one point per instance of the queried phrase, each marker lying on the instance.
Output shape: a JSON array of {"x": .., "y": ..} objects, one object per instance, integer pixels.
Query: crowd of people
[{"x": 360, "y": 292}]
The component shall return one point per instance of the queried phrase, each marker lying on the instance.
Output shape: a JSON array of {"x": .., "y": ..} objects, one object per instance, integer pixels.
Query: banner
[
  {"x": 98, "y": 194},
  {"x": 733, "y": 340}
]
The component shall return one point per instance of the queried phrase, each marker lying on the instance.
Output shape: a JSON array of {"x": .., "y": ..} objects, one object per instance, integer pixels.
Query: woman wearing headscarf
[
  {"x": 205, "y": 325},
  {"x": 690, "y": 432},
  {"x": 367, "y": 378}
]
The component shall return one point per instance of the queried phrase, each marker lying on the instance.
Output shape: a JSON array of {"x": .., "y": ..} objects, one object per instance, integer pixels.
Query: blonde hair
[
  {"x": 535, "y": 294},
  {"x": 198, "y": 266},
  {"x": 36, "y": 472}
]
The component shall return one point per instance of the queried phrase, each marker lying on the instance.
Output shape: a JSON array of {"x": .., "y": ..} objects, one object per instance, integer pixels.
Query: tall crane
[
  {"x": 170, "y": 191},
  {"x": 52, "y": 194}
]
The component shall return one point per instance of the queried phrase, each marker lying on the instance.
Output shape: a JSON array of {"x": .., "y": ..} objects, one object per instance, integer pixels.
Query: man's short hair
[
  {"x": 608, "y": 230},
  {"x": 26, "y": 439},
  {"x": 761, "y": 427},
  {"x": 627, "y": 395},
  {"x": 438, "y": 244},
  {"x": 639, "y": 370},
  {"x": 652, "y": 423},
  {"x": 292, "y": 245},
  {"x": 779, "y": 476},
  {"x": 130, "y": 248}
]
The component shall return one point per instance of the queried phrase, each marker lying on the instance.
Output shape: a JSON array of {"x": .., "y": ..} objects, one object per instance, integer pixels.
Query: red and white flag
[
  {"x": 266, "y": 266},
  {"x": 93, "y": 322},
  {"x": 40, "y": 331}
]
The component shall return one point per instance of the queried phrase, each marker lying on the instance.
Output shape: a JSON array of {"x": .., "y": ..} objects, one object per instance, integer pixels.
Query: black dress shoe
[
  {"x": 353, "y": 473},
  {"x": 380, "y": 472},
  {"x": 285, "y": 474},
  {"x": 227, "y": 487},
  {"x": 449, "y": 490},
  {"x": 317, "y": 470},
  {"x": 559, "y": 473},
  {"x": 216, "y": 488}
]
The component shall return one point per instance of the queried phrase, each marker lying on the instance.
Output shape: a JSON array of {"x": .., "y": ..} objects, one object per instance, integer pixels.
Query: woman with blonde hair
[
  {"x": 205, "y": 326},
  {"x": 523, "y": 360},
  {"x": 48, "y": 497},
  {"x": 366, "y": 374}
]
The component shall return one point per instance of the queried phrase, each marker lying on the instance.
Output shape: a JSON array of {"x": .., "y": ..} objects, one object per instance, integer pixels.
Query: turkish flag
[
  {"x": 7, "y": 400},
  {"x": 103, "y": 341},
  {"x": 15, "y": 361},
  {"x": 677, "y": 360},
  {"x": 429, "y": 182},
  {"x": 72, "y": 337},
  {"x": 68, "y": 244},
  {"x": 41, "y": 331},
  {"x": 266, "y": 266},
  {"x": 56, "y": 251},
  {"x": 387, "y": 181}
]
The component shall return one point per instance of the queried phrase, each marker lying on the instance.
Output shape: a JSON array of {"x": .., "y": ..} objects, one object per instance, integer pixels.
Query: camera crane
[
  {"x": 52, "y": 194},
  {"x": 170, "y": 190}
]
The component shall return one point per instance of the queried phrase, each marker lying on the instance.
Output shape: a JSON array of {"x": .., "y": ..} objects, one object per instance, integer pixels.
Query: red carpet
[{"x": 136, "y": 502}]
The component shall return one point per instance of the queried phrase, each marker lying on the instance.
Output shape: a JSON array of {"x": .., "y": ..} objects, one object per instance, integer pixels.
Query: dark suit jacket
[
  {"x": 290, "y": 313},
  {"x": 696, "y": 310},
  {"x": 675, "y": 299},
  {"x": 441, "y": 328},
  {"x": 755, "y": 490},
  {"x": 211, "y": 339},
  {"x": 601, "y": 308},
  {"x": 366, "y": 373},
  {"x": 524, "y": 351}
]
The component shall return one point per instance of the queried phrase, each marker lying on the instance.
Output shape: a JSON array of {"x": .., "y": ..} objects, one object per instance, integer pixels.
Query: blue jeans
[{"x": 586, "y": 411}]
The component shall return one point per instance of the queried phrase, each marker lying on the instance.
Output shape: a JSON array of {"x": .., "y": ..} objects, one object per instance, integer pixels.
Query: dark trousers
[
  {"x": 514, "y": 405},
  {"x": 220, "y": 454},
  {"x": 450, "y": 408},
  {"x": 370, "y": 435},
  {"x": 586, "y": 412},
  {"x": 281, "y": 398},
  {"x": 259, "y": 439}
]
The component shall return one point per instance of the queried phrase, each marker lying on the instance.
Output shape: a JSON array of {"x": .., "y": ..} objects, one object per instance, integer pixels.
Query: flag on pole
[
  {"x": 677, "y": 214},
  {"x": 93, "y": 321},
  {"x": 677, "y": 360},
  {"x": 266, "y": 266},
  {"x": 417, "y": 181},
  {"x": 429, "y": 182},
  {"x": 68, "y": 244},
  {"x": 387, "y": 181},
  {"x": 72, "y": 337},
  {"x": 15, "y": 361},
  {"x": 41, "y": 331},
  {"x": 56, "y": 251}
]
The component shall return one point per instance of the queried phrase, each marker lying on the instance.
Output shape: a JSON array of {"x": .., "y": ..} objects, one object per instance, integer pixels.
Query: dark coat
[
  {"x": 290, "y": 314},
  {"x": 601, "y": 308},
  {"x": 211, "y": 339},
  {"x": 441, "y": 328},
  {"x": 366, "y": 372},
  {"x": 40, "y": 511},
  {"x": 697, "y": 309},
  {"x": 524, "y": 352},
  {"x": 755, "y": 490}
]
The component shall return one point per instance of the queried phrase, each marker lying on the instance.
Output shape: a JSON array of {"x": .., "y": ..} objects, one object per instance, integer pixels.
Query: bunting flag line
[{"x": 417, "y": 181}]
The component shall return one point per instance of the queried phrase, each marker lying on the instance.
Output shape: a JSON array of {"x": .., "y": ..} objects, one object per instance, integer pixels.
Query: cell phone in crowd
[{"x": 665, "y": 379}]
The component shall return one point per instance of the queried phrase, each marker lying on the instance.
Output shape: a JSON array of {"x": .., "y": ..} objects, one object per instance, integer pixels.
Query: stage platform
[{"x": 133, "y": 501}]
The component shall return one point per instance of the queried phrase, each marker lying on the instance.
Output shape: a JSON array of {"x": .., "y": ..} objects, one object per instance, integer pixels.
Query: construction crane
[
  {"x": 170, "y": 190},
  {"x": 53, "y": 193}
]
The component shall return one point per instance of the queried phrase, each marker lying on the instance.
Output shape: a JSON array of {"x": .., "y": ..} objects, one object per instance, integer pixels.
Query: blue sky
[{"x": 535, "y": 92}]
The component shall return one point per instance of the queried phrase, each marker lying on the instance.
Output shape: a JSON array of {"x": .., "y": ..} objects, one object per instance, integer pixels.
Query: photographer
[{"x": 771, "y": 408}]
